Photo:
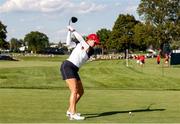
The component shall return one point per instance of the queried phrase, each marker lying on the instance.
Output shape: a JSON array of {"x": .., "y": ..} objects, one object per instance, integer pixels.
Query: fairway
[
  {"x": 31, "y": 91},
  {"x": 99, "y": 106}
]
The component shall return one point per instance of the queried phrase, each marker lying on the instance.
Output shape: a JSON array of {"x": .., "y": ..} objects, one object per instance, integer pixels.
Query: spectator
[{"x": 158, "y": 59}]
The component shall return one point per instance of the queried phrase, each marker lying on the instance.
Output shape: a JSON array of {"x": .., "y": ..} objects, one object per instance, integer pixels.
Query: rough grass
[{"x": 43, "y": 72}]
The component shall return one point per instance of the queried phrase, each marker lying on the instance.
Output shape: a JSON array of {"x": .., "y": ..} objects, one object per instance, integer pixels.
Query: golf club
[{"x": 73, "y": 20}]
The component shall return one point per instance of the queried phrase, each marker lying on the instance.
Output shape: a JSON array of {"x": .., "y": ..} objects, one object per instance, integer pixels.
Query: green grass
[
  {"x": 99, "y": 106},
  {"x": 43, "y": 72},
  {"x": 31, "y": 91}
]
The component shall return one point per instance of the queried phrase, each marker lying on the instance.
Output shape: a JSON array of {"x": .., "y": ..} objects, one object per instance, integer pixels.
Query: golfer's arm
[
  {"x": 68, "y": 38},
  {"x": 81, "y": 40},
  {"x": 69, "y": 43}
]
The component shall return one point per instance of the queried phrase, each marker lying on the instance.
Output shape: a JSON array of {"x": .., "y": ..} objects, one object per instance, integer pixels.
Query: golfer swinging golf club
[{"x": 70, "y": 67}]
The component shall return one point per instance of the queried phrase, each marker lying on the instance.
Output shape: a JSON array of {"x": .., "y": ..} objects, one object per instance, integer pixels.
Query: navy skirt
[{"x": 69, "y": 70}]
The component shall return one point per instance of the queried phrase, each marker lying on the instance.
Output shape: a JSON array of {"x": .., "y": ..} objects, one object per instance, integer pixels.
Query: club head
[{"x": 74, "y": 19}]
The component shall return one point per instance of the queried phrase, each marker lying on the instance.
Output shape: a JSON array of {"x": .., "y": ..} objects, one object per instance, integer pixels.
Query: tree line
[{"x": 159, "y": 28}]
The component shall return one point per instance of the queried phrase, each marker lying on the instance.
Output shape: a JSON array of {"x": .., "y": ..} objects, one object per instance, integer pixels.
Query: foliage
[
  {"x": 164, "y": 14},
  {"x": 15, "y": 44},
  {"x": 122, "y": 32},
  {"x": 104, "y": 35},
  {"x": 36, "y": 41},
  {"x": 3, "y": 31},
  {"x": 175, "y": 45},
  {"x": 144, "y": 36},
  {"x": 159, "y": 11}
]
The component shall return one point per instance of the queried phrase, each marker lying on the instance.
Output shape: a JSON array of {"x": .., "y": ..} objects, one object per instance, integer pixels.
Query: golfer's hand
[{"x": 70, "y": 28}]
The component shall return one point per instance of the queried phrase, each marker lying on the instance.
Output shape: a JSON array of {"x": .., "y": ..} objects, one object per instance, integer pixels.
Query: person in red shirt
[
  {"x": 158, "y": 59},
  {"x": 142, "y": 59},
  {"x": 138, "y": 59}
]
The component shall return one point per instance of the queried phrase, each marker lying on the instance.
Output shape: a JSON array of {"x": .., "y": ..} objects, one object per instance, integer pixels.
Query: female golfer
[{"x": 70, "y": 67}]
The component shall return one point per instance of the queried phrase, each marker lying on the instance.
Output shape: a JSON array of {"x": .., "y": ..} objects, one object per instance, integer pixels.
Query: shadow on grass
[{"x": 95, "y": 115}]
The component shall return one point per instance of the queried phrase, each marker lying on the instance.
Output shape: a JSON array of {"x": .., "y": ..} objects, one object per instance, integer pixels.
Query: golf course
[{"x": 32, "y": 91}]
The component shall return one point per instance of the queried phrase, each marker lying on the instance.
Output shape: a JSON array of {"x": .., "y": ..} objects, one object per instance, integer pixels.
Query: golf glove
[{"x": 70, "y": 28}]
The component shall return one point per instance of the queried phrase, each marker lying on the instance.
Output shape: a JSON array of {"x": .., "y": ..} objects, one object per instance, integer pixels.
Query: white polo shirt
[{"x": 79, "y": 54}]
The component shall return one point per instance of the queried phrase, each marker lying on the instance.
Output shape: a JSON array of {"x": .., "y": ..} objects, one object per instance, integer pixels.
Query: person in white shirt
[{"x": 70, "y": 67}]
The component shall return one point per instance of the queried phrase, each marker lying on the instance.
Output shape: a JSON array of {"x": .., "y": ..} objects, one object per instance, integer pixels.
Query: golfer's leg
[
  {"x": 80, "y": 91},
  {"x": 72, "y": 84}
]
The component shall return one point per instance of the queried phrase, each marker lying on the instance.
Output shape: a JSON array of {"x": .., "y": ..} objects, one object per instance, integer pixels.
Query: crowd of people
[{"x": 140, "y": 59}]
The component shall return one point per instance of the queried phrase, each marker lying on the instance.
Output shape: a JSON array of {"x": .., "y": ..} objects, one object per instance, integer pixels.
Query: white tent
[{"x": 23, "y": 48}]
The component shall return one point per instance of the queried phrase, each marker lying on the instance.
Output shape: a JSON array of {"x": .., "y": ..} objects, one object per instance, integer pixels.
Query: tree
[
  {"x": 15, "y": 44},
  {"x": 122, "y": 33},
  {"x": 3, "y": 31},
  {"x": 174, "y": 17},
  {"x": 145, "y": 36},
  {"x": 36, "y": 41},
  {"x": 60, "y": 44},
  {"x": 104, "y": 35},
  {"x": 165, "y": 15}
]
